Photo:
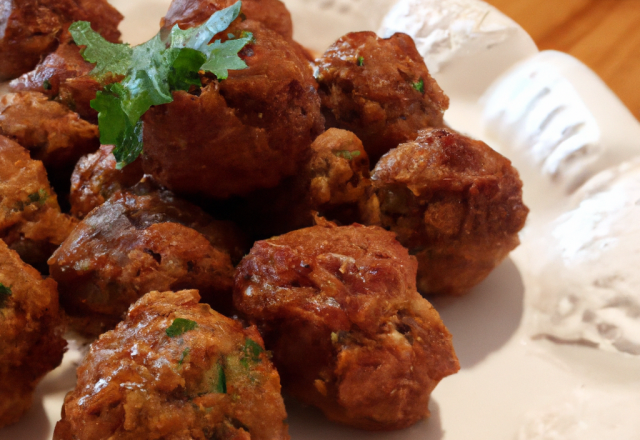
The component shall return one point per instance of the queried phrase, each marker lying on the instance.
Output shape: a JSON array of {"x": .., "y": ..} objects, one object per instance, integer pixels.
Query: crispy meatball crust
[
  {"x": 455, "y": 203},
  {"x": 350, "y": 334},
  {"x": 95, "y": 179},
  {"x": 141, "y": 381},
  {"x": 30, "y": 218},
  {"x": 31, "y": 327},
  {"x": 135, "y": 243},
  {"x": 29, "y": 28},
  {"x": 244, "y": 133},
  {"x": 380, "y": 89}
]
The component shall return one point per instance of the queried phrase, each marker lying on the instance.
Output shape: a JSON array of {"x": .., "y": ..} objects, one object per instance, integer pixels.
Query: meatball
[
  {"x": 31, "y": 327},
  {"x": 380, "y": 89},
  {"x": 51, "y": 132},
  {"x": 241, "y": 134},
  {"x": 29, "y": 28},
  {"x": 455, "y": 203},
  {"x": 30, "y": 219},
  {"x": 96, "y": 178},
  {"x": 139, "y": 241},
  {"x": 273, "y": 14},
  {"x": 175, "y": 369},
  {"x": 350, "y": 334}
]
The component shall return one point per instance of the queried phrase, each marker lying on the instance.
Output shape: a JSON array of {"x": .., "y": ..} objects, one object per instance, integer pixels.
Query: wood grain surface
[{"x": 603, "y": 34}]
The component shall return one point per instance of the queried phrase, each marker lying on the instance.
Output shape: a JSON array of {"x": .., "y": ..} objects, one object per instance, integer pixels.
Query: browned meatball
[
  {"x": 64, "y": 76},
  {"x": 273, "y": 14},
  {"x": 175, "y": 369},
  {"x": 96, "y": 178},
  {"x": 30, "y": 218},
  {"x": 455, "y": 203},
  {"x": 241, "y": 134},
  {"x": 139, "y": 241},
  {"x": 31, "y": 327},
  {"x": 380, "y": 89},
  {"x": 350, "y": 334},
  {"x": 29, "y": 28}
]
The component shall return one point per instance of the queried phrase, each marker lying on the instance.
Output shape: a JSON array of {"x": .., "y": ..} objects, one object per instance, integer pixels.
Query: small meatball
[
  {"x": 29, "y": 29},
  {"x": 96, "y": 178},
  {"x": 241, "y": 134},
  {"x": 350, "y": 334},
  {"x": 31, "y": 327},
  {"x": 175, "y": 369},
  {"x": 30, "y": 218},
  {"x": 50, "y": 131},
  {"x": 135, "y": 243},
  {"x": 273, "y": 14},
  {"x": 455, "y": 203},
  {"x": 380, "y": 89},
  {"x": 335, "y": 183}
]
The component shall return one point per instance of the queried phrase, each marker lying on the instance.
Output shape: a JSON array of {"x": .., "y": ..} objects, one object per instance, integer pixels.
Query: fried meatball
[
  {"x": 29, "y": 28},
  {"x": 350, "y": 334},
  {"x": 30, "y": 218},
  {"x": 64, "y": 76},
  {"x": 380, "y": 89},
  {"x": 31, "y": 327},
  {"x": 136, "y": 242},
  {"x": 241, "y": 134},
  {"x": 50, "y": 131},
  {"x": 455, "y": 203},
  {"x": 175, "y": 369},
  {"x": 96, "y": 178}
]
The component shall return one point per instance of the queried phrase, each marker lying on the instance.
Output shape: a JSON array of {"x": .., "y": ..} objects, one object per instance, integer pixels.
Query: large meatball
[
  {"x": 350, "y": 334},
  {"x": 31, "y": 327},
  {"x": 29, "y": 28},
  {"x": 138, "y": 241},
  {"x": 175, "y": 369},
  {"x": 96, "y": 178},
  {"x": 241, "y": 134},
  {"x": 455, "y": 203},
  {"x": 30, "y": 219},
  {"x": 380, "y": 89}
]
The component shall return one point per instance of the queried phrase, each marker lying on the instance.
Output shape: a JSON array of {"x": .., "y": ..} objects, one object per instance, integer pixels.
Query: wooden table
[{"x": 603, "y": 34}]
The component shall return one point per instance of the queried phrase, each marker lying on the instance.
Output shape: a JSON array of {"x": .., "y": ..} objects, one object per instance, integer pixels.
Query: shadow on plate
[
  {"x": 310, "y": 424},
  {"x": 34, "y": 425},
  {"x": 485, "y": 319}
]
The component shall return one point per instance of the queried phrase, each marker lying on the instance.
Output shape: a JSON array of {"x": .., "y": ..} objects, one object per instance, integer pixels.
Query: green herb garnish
[
  {"x": 5, "y": 293},
  {"x": 180, "y": 326},
  {"x": 46, "y": 84},
  {"x": 360, "y": 61},
  {"x": 419, "y": 86},
  {"x": 185, "y": 353},
  {"x": 347, "y": 154},
  {"x": 221, "y": 383},
  {"x": 252, "y": 351},
  {"x": 152, "y": 71}
]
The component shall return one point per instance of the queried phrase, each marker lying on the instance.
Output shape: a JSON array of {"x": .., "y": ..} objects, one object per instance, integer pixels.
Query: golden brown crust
[
  {"x": 31, "y": 327},
  {"x": 29, "y": 28},
  {"x": 455, "y": 203},
  {"x": 349, "y": 332},
  {"x": 142, "y": 240},
  {"x": 266, "y": 117},
  {"x": 368, "y": 85},
  {"x": 138, "y": 382}
]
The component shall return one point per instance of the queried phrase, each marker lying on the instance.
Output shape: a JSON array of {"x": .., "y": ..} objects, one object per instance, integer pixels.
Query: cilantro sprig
[
  {"x": 5, "y": 293},
  {"x": 151, "y": 72},
  {"x": 179, "y": 326}
]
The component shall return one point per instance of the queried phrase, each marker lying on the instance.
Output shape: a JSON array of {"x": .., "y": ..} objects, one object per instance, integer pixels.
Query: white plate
[{"x": 509, "y": 386}]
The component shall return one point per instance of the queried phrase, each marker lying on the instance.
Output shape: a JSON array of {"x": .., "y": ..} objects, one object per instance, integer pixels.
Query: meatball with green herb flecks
[{"x": 175, "y": 369}]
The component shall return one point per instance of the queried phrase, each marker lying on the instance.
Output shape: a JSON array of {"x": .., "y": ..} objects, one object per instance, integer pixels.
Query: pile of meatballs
[{"x": 281, "y": 227}]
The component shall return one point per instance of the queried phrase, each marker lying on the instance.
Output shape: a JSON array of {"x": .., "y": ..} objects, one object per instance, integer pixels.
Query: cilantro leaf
[
  {"x": 346, "y": 154},
  {"x": 224, "y": 56},
  {"x": 180, "y": 326},
  {"x": 419, "y": 85},
  {"x": 5, "y": 293},
  {"x": 360, "y": 61},
  {"x": 184, "y": 69},
  {"x": 109, "y": 57},
  {"x": 199, "y": 37},
  {"x": 252, "y": 351},
  {"x": 221, "y": 384}
]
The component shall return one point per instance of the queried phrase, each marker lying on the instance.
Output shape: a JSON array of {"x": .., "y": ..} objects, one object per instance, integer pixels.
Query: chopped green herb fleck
[
  {"x": 46, "y": 84},
  {"x": 180, "y": 326},
  {"x": 185, "y": 353},
  {"x": 252, "y": 351},
  {"x": 5, "y": 293},
  {"x": 360, "y": 61},
  {"x": 346, "y": 154},
  {"x": 419, "y": 86},
  {"x": 221, "y": 383}
]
